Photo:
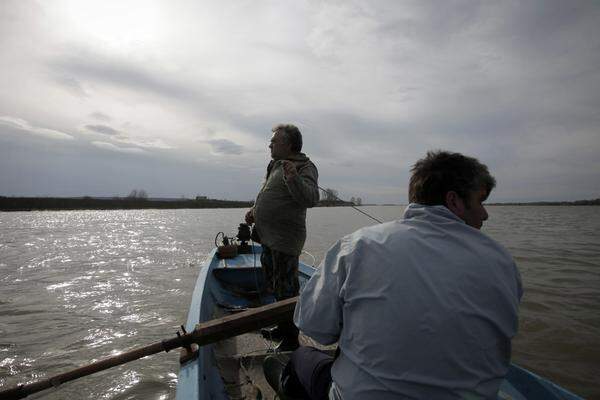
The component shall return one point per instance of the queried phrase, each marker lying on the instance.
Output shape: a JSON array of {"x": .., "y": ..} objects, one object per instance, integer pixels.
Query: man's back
[{"x": 428, "y": 306}]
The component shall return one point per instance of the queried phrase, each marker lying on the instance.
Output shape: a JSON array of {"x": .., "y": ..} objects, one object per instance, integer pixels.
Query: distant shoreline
[
  {"x": 595, "y": 202},
  {"x": 126, "y": 203}
]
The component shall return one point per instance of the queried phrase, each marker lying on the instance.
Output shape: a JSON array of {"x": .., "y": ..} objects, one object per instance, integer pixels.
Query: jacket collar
[{"x": 415, "y": 210}]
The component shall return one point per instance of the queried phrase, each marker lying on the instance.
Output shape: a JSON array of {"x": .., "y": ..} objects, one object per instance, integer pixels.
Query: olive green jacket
[{"x": 280, "y": 207}]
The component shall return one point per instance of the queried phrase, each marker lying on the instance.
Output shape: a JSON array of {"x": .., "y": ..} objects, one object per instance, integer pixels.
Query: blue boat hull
[{"x": 235, "y": 284}]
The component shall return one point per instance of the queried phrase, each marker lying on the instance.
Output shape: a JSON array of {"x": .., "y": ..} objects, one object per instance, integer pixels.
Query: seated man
[{"x": 422, "y": 308}]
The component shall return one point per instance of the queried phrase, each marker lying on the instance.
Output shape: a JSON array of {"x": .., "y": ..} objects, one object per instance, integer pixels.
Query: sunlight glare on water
[{"x": 83, "y": 285}]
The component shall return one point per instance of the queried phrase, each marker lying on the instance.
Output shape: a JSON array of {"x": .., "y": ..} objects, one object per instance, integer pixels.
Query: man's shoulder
[
  {"x": 305, "y": 164},
  {"x": 451, "y": 234},
  {"x": 375, "y": 234},
  {"x": 301, "y": 159}
]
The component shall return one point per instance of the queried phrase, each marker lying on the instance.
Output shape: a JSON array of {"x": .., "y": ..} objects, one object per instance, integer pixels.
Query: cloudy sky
[{"x": 178, "y": 97}]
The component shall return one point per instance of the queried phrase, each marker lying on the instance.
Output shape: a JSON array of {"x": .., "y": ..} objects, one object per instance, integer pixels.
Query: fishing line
[{"x": 351, "y": 205}]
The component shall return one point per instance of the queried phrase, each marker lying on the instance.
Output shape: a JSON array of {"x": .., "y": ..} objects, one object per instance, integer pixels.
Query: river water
[{"x": 78, "y": 286}]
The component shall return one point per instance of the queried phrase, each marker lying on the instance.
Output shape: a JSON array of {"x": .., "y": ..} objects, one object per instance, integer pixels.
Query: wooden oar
[{"x": 204, "y": 333}]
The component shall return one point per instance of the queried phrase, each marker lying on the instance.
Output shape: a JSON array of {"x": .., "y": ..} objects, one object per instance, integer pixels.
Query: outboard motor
[
  {"x": 229, "y": 248},
  {"x": 226, "y": 249}
]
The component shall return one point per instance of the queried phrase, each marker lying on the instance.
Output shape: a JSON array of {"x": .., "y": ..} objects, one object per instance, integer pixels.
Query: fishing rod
[
  {"x": 351, "y": 205},
  {"x": 204, "y": 333}
]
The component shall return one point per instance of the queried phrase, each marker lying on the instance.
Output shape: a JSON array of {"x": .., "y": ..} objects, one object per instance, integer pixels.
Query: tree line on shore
[
  {"x": 125, "y": 203},
  {"x": 138, "y": 199},
  {"x": 330, "y": 196},
  {"x": 116, "y": 203}
]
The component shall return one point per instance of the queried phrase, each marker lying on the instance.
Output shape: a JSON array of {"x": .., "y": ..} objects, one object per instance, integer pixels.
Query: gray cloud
[
  {"x": 86, "y": 65},
  {"x": 72, "y": 85},
  {"x": 224, "y": 146},
  {"x": 100, "y": 116},
  {"x": 146, "y": 143},
  {"x": 103, "y": 129},
  {"x": 24, "y": 126},
  {"x": 102, "y": 172},
  {"x": 112, "y": 147},
  {"x": 122, "y": 137}
]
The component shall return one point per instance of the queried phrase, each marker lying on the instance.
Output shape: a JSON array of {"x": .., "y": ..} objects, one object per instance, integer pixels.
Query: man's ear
[{"x": 455, "y": 204}]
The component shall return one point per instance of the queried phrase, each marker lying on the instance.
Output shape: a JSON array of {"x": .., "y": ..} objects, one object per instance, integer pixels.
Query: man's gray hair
[{"x": 292, "y": 135}]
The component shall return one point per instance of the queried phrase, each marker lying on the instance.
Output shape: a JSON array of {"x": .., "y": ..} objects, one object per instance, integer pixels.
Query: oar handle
[{"x": 204, "y": 333}]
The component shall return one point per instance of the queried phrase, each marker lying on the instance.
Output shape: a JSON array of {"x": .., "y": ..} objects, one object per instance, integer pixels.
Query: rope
[
  {"x": 314, "y": 263},
  {"x": 351, "y": 205}
]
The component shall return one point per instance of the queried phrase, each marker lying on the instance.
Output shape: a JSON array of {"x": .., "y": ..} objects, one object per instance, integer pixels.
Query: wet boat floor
[{"x": 240, "y": 359}]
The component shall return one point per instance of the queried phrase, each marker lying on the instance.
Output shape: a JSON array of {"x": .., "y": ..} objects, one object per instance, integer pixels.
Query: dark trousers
[
  {"x": 308, "y": 374},
  {"x": 281, "y": 279},
  {"x": 281, "y": 273}
]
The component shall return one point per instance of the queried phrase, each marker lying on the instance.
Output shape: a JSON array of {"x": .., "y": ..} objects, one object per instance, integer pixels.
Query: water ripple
[{"x": 78, "y": 286}]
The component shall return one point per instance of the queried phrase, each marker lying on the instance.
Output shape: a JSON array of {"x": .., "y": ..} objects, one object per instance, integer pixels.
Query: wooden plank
[{"x": 246, "y": 321}]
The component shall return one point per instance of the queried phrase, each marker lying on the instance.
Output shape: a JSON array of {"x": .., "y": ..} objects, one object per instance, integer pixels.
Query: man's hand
[
  {"x": 250, "y": 216},
  {"x": 289, "y": 170}
]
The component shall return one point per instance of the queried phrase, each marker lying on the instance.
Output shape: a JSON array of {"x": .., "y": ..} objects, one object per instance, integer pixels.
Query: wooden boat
[
  {"x": 225, "y": 286},
  {"x": 232, "y": 369}
]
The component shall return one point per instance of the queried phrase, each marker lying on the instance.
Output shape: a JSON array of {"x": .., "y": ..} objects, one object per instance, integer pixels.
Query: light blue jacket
[{"x": 424, "y": 307}]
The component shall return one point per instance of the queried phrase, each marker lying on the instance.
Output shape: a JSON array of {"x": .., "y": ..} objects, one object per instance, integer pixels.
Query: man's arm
[
  {"x": 302, "y": 185},
  {"x": 319, "y": 310}
]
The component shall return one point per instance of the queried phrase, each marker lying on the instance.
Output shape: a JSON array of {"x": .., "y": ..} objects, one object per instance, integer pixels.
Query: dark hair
[
  {"x": 292, "y": 135},
  {"x": 440, "y": 172}
]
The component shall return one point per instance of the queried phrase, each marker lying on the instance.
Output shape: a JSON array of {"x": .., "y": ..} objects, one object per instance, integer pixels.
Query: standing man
[
  {"x": 424, "y": 307},
  {"x": 279, "y": 212}
]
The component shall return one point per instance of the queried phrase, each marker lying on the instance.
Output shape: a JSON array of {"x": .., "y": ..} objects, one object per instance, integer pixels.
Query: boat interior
[{"x": 232, "y": 368}]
